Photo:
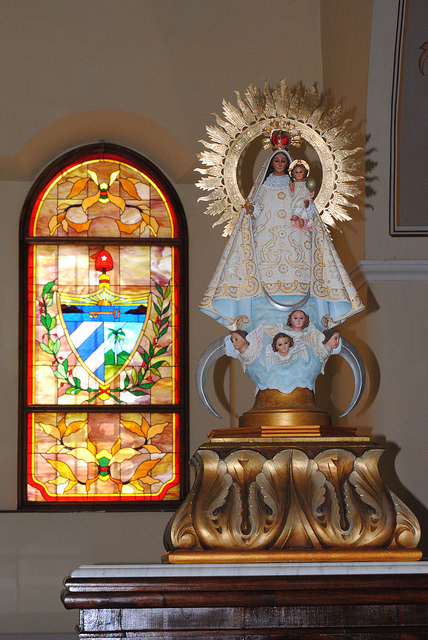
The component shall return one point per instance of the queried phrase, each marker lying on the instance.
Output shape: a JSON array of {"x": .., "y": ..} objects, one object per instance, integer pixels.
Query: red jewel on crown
[{"x": 280, "y": 140}]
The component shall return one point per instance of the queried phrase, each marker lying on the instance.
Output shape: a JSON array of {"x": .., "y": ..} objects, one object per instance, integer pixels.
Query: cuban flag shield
[{"x": 103, "y": 329}]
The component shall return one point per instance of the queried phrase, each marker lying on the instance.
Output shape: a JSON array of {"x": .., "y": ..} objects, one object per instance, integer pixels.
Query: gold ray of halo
[{"x": 303, "y": 113}]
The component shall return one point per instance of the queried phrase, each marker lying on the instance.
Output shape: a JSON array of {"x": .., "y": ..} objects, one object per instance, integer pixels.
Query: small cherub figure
[
  {"x": 332, "y": 339},
  {"x": 303, "y": 329},
  {"x": 246, "y": 346},
  {"x": 284, "y": 350},
  {"x": 239, "y": 340},
  {"x": 329, "y": 342},
  {"x": 282, "y": 343},
  {"x": 298, "y": 320},
  {"x": 302, "y": 205}
]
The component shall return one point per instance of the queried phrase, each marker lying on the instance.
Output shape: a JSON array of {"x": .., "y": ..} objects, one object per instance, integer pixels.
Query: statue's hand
[
  {"x": 298, "y": 219},
  {"x": 306, "y": 204},
  {"x": 291, "y": 186}
]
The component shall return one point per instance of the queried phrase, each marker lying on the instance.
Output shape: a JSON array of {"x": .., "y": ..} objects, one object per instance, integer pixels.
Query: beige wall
[
  {"x": 148, "y": 74},
  {"x": 397, "y": 309}
]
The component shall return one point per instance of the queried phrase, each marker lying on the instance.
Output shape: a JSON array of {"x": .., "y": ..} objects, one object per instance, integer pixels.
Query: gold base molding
[
  {"x": 295, "y": 432},
  {"x": 284, "y": 499},
  {"x": 296, "y": 555},
  {"x": 294, "y": 412}
]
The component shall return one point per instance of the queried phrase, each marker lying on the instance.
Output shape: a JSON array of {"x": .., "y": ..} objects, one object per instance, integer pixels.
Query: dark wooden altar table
[{"x": 361, "y": 601}]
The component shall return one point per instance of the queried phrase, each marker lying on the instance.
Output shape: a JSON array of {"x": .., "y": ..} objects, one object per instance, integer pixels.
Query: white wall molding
[{"x": 389, "y": 271}]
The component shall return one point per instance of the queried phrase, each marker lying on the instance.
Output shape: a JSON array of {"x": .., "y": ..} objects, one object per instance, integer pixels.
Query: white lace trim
[{"x": 278, "y": 182}]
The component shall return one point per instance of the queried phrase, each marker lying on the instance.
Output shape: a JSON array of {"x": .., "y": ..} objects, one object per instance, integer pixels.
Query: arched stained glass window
[{"x": 103, "y": 318}]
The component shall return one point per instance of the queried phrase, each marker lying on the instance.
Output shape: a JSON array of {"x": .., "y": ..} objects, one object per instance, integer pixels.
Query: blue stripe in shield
[
  {"x": 91, "y": 344},
  {"x": 100, "y": 372}
]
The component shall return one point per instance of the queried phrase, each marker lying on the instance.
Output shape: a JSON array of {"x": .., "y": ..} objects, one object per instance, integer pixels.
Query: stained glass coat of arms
[{"x": 104, "y": 245}]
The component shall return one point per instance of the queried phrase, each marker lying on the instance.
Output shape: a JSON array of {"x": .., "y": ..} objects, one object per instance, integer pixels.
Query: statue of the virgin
[{"x": 280, "y": 263}]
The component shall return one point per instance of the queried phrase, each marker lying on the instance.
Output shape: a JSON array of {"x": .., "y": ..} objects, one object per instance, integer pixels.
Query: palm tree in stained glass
[{"x": 118, "y": 336}]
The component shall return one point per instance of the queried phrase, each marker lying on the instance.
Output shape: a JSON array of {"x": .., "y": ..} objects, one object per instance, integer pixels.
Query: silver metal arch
[
  {"x": 209, "y": 357},
  {"x": 217, "y": 349},
  {"x": 288, "y": 308},
  {"x": 353, "y": 358}
]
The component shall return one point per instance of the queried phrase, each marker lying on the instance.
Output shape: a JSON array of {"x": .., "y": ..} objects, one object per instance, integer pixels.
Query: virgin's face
[
  {"x": 297, "y": 320},
  {"x": 279, "y": 164},
  {"x": 283, "y": 346}
]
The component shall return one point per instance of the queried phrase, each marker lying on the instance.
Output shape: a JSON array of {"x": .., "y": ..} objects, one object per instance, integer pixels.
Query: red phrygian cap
[{"x": 103, "y": 261}]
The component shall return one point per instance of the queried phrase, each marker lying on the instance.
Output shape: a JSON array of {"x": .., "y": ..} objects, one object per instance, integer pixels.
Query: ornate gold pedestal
[{"x": 289, "y": 498}]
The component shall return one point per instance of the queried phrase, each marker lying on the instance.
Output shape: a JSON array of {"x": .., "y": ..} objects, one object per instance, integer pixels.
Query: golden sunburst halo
[{"x": 303, "y": 113}]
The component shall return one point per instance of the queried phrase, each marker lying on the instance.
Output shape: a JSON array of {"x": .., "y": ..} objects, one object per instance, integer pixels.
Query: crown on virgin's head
[
  {"x": 279, "y": 140},
  {"x": 277, "y": 137}
]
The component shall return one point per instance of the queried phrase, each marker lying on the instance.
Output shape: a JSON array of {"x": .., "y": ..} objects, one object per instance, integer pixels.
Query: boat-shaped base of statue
[{"x": 290, "y": 499}]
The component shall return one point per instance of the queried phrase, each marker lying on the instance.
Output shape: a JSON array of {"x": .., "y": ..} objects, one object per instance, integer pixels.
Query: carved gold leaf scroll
[{"x": 336, "y": 500}]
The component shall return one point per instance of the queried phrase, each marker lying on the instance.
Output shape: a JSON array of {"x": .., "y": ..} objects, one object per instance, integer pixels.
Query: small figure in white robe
[{"x": 304, "y": 209}]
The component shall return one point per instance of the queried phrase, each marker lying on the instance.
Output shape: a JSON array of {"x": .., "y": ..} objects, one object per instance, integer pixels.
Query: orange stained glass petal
[{"x": 107, "y": 198}]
